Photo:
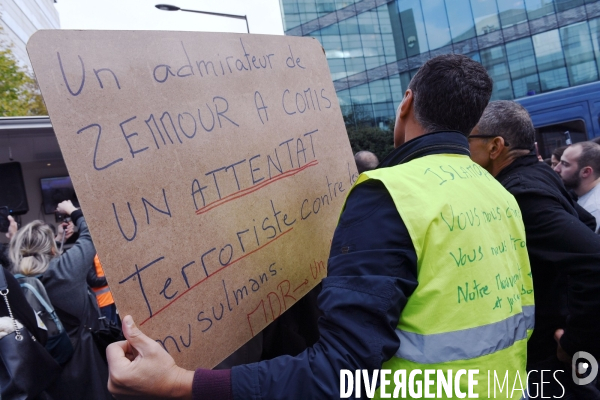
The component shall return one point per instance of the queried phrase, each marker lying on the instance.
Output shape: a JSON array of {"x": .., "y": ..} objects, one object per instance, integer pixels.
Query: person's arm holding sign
[{"x": 371, "y": 273}]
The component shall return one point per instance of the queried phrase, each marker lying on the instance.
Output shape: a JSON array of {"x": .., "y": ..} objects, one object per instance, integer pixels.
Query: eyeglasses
[{"x": 487, "y": 137}]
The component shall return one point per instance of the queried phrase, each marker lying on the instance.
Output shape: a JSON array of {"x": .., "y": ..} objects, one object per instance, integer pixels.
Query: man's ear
[
  {"x": 586, "y": 172},
  {"x": 407, "y": 103},
  {"x": 496, "y": 147}
]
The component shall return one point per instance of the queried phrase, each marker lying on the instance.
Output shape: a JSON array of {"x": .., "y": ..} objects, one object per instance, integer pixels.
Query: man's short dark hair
[
  {"x": 589, "y": 157},
  {"x": 450, "y": 93},
  {"x": 365, "y": 161},
  {"x": 509, "y": 120}
]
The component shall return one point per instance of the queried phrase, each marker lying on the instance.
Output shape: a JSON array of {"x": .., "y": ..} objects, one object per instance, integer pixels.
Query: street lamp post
[{"x": 168, "y": 7}]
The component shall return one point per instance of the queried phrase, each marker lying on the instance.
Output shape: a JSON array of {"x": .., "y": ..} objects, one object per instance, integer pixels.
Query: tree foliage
[
  {"x": 364, "y": 136},
  {"x": 371, "y": 138},
  {"x": 19, "y": 93}
]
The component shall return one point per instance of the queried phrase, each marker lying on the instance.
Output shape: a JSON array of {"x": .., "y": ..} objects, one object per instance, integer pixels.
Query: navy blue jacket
[{"x": 371, "y": 273}]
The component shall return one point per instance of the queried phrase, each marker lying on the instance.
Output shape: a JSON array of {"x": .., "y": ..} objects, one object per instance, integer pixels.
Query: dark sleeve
[
  {"x": 371, "y": 273},
  {"x": 93, "y": 280},
  {"x": 21, "y": 309},
  {"x": 295, "y": 330},
  {"x": 4, "y": 260},
  {"x": 65, "y": 279},
  {"x": 557, "y": 239},
  {"x": 584, "y": 216},
  {"x": 75, "y": 215}
]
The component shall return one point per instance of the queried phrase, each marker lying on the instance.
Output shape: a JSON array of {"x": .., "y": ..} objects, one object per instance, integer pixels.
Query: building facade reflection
[{"x": 374, "y": 47}]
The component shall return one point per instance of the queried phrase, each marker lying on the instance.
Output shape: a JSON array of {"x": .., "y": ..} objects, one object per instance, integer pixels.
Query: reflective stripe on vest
[
  {"x": 465, "y": 344},
  {"x": 102, "y": 290},
  {"x": 104, "y": 296}
]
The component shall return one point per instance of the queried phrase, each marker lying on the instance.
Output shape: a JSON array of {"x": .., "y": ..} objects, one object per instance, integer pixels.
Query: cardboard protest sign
[{"x": 211, "y": 169}]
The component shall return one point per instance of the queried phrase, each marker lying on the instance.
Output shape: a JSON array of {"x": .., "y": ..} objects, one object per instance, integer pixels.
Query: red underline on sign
[
  {"x": 253, "y": 189},
  {"x": 213, "y": 274}
]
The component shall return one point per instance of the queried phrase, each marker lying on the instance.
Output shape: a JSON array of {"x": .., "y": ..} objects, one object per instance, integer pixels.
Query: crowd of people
[
  {"x": 33, "y": 252},
  {"x": 390, "y": 297}
]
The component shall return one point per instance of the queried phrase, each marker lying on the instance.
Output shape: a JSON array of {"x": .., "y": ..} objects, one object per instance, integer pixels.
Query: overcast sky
[{"x": 264, "y": 16}]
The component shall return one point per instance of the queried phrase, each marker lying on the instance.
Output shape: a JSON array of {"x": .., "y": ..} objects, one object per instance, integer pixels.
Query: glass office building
[{"x": 374, "y": 47}]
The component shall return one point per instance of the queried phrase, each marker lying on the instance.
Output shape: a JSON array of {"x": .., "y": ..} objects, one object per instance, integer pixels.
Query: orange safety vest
[{"x": 103, "y": 294}]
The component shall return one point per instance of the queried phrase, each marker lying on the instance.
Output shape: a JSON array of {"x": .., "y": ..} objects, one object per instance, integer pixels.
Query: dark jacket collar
[
  {"x": 527, "y": 174},
  {"x": 524, "y": 161},
  {"x": 446, "y": 142}
]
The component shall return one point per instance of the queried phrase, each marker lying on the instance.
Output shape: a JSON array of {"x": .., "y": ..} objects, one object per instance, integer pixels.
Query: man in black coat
[{"x": 563, "y": 249}]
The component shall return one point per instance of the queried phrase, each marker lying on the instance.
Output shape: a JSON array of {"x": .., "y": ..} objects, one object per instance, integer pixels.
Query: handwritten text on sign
[{"x": 211, "y": 169}]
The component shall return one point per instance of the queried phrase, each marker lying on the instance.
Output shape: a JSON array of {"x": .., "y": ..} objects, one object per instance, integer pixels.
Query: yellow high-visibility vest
[{"x": 473, "y": 306}]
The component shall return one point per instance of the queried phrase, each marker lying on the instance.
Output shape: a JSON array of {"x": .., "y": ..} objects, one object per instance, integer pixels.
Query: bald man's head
[{"x": 365, "y": 161}]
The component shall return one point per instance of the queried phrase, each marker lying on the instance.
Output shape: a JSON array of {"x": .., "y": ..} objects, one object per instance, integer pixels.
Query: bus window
[{"x": 550, "y": 137}]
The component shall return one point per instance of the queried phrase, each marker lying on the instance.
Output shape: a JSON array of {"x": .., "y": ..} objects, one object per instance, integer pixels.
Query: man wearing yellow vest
[{"x": 428, "y": 277}]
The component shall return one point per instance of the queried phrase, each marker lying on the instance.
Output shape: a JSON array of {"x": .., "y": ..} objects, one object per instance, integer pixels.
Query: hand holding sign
[{"x": 140, "y": 366}]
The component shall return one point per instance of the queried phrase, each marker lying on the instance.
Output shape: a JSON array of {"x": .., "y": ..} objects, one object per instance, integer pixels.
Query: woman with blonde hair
[{"x": 33, "y": 252}]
